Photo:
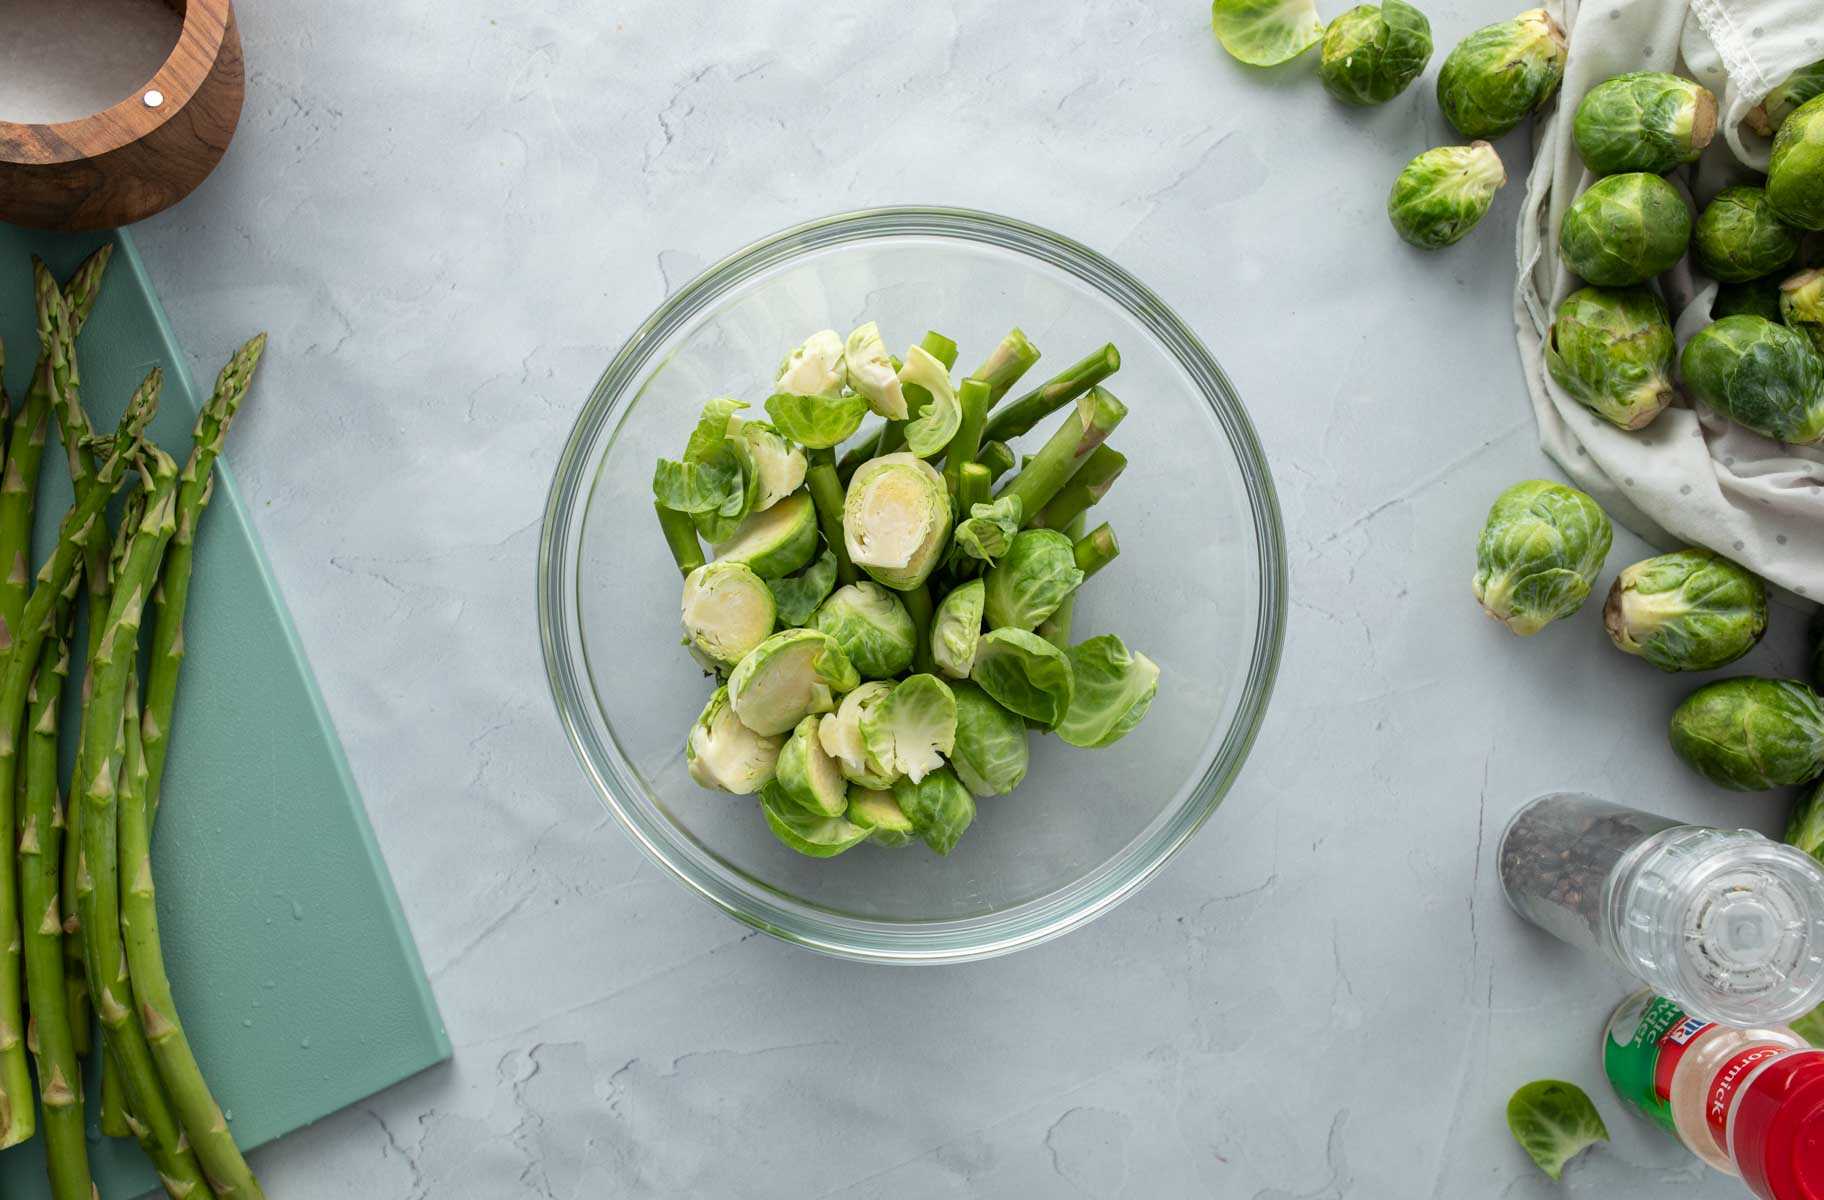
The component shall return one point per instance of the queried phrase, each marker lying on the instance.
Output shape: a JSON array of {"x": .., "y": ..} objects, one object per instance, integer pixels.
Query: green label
[{"x": 1641, "y": 1053}]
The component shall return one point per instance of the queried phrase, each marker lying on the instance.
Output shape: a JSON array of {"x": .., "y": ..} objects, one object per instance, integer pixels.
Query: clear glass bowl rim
[{"x": 775, "y": 912}]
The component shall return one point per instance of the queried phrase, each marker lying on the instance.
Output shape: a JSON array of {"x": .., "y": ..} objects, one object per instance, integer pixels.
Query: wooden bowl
[{"x": 145, "y": 153}]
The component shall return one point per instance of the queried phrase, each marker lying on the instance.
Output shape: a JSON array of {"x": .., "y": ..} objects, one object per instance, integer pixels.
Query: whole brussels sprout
[
  {"x": 1762, "y": 376},
  {"x": 1500, "y": 73},
  {"x": 939, "y": 807},
  {"x": 1611, "y": 349},
  {"x": 1755, "y": 298},
  {"x": 896, "y": 519},
  {"x": 1112, "y": 690},
  {"x": 1373, "y": 52},
  {"x": 787, "y": 678},
  {"x": 910, "y": 731},
  {"x": 1625, "y": 229},
  {"x": 1028, "y": 584},
  {"x": 991, "y": 753},
  {"x": 723, "y": 753},
  {"x": 1766, "y": 117},
  {"x": 872, "y": 626},
  {"x": 813, "y": 834},
  {"x": 1443, "y": 193},
  {"x": 727, "y": 611},
  {"x": 1265, "y": 33},
  {"x": 1802, "y": 305},
  {"x": 1795, "y": 173},
  {"x": 1751, "y": 734},
  {"x": 1539, "y": 553},
  {"x": 1738, "y": 237},
  {"x": 1644, "y": 121},
  {"x": 1691, "y": 610},
  {"x": 1023, "y": 672}
]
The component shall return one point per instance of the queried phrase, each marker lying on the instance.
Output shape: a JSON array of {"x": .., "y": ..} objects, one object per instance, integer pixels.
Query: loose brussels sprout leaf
[
  {"x": 788, "y": 677},
  {"x": 1625, "y": 229},
  {"x": 1265, "y": 33},
  {"x": 1112, "y": 689},
  {"x": 723, "y": 753},
  {"x": 811, "y": 834},
  {"x": 1801, "y": 305},
  {"x": 1028, "y": 584},
  {"x": 1644, "y": 121},
  {"x": 931, "y": 431},
  {"x": 1762, "y": 376},
  {"x": 780, "y": 464},
  {"x": 816, "y": 368},
  {"x": 872, "y": 373},
  {"x": 955, "y": 629},
  {"x": 1739, "y": 238},
  {"x": 910, "y": 731},
  {"x": 1795, "y": 173},
  {"x": 727, "y": 611},
  {"x": 1373, "y": 52},
  {"x": 1539, "y": 553},
  {"x": 1611, "y": 349},
  {"x": 719, "y": 524},
  {"x": 1443, "y": 193},
  {"x": 872, "y": 626},
  {"x": 840, "y": 734},
  {"x": 1554, "y": 1122},
  {"x": 1766, "y": 117},
  {"x": 880, "y": 814},
  {"x": 818, "y": 422},
  {"x": 796, "y": 597},
  {"x": 1756, "y": 298},
  {"x": 1691, "y": 610},
  {"x": 896, "y": 519},
  {"x": 1023, "y": 672},
  {"x": 990, "y": 755},
  {"x": 693, "y": 487},
  {"x": 775, "y": 542},
  {"x": 705, "y": 444},
  {"x": 1751, "y": 734},
  {"x": 1806, "y": 830},
  {"x": 807, "y": 776},
  {"x": 988, "y": 531},
  {"x": 939, "y": 807},
  {"x": 1500, "y": 73}
]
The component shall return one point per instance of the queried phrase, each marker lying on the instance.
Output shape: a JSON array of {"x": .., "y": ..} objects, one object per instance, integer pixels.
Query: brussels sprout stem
[
  {"x": 1003, "y": 368},
  {"x": 1086, "y": 487},
  {"x": 1096, "y": 549},
  {"x": 1084, "y": 430},
  {"x": 1020, "y": 416},
  {"x": 997, "y": 457},
  {"x": 974, "y": 401},
  {"x": 918, "y": 605},
  {"x": 827, "y": 494},
  {"x": 1056, "y": 628},
  {"x": 681, "y": 536},
  {"x": 973, "y": 489}
]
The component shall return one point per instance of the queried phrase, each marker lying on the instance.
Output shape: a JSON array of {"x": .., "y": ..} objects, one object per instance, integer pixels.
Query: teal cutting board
[{"x": 294, "y": 971}]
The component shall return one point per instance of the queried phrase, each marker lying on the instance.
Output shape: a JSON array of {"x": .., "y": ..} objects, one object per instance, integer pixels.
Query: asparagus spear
[
  {"x": 918, "y": 605},
  {"x": 973, "y": 400},
  {"x": 681, "y": 537},
  {"x": 997, "y": 457},
  {"x": 1095, "y": 549},
  {"x": 1056, "y": 628},
  {"x": 25, "y": 447},
  {"x": 1020, "y": 416},
  {"x": 1097, "y": 413},
  {"x": 827, "y": 495},
  {"x": 1003, "y": 368},
  {"x": 1085, "y": 489},
  {"x": 972, "y": 489}
]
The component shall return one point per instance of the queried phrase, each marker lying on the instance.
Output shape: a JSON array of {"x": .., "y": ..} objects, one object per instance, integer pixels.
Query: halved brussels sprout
[
  {"x": 872, "y": 373},
  {"x": 956, "y": 628},
  {"x": 727, "y": 611},
  {"x": 1795, "y": 173},
  {"x": 815, "y": 368},
  {"x": 776, "y": 542},
  {"x": 779, "y": 463},
  {"x": 788, "y": 677},
  {"x": 896, "y": 518},
  {"x": 1265, "y": 33},
  {"x": 1766, "y": 117},
  {"x": 1802, "y": 305},
  {"x": 910, "y": 731},
  {"x": 1756, "y": 298},
  {"x": 1644, "y": 121},
  {"x": 1611, "y": 349},
  {"x": 1739, "y": 238},
  {"x": 881, "y": 816},
  {"x": 991, "y": 753},
  {"x": 938, "y": 806},
  {"x": 931, "y": 430},
  {"x": 809, "y": 833},
  {"x": 817, "y": 422},
  {"x": 1373, "y": 52},
  {"x": 1028, "y": 584},
  {"x": 807, "y": 775},
  {"x": 1691, "y": 610},
  {"x": 1443, "y": 193},
  {"x": 796, "y": 597},
  {"x": 840, "y": 734},
  {"x": 1539, "y": 553},
  {"x": 987, "y": 532},
  {"x": 723, "y": 753},
  {"x": 1112, "y": 689},
  {"x": 872, "y": 626},
  {"x": 1625, "y": 229},
  {"x": 1023, "y": 672},
  {"x": 1751, "y": 734},
  {"x": 1500, "y": 73},
  {"x": 1762, "y": 376}
]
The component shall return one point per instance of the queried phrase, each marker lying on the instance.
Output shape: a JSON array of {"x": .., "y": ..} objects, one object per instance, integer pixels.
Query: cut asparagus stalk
[
  {"x": 997, "y": 457},
  {"x": 1004, "y": 367},
  {"x": 825, "y": 485},
  {"x": 1085, "y": 489},
  {"x": 1073, "y": 381},
  {"x": 972, "y": 489},
  {"x": 1056, "y": 628},
  {"x": 1095, "y": 550},
  {"x": 680, "y": 537},
  {"x": 918, "y": 605},
  {"x": 972, "y": 400},
  {"x": 1097, "y": 414}
]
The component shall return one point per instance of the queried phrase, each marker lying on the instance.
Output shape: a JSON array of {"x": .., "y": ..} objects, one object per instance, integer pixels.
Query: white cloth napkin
[{"x": 1689, "y": 478}]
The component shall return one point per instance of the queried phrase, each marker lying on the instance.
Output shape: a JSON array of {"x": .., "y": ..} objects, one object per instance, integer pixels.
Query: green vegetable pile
[
  {"x": 78, "y": 910},
  {"x": 887, "y": 626}
]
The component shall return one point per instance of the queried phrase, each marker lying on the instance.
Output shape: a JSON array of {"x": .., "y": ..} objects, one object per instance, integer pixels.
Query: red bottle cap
[{"x": 1776, "y": 1133}]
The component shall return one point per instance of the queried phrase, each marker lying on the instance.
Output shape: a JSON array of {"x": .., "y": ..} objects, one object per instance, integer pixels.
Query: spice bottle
[
  {"x": 1749, "y": 1102},
  {"x": 1727, "y": 923}
]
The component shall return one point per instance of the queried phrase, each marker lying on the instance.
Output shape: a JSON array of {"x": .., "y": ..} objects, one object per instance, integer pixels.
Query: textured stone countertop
[{"x": 449, "y": 215}]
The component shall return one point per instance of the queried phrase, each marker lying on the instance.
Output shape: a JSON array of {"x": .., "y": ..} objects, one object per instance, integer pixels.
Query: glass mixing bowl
[{"x": 1200, "y": 586}]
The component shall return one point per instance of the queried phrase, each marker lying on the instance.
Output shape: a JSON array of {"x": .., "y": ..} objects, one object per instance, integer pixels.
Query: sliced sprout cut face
[
  {"x": 788, "y": 677},
  {"x": 816, "y": 368},
  {"x": 896, "y": 517},
  {"x": 779, "y": 464},
  {"x": 840, "y": 734},
  {"x": 872, "y": 373},
  {"x": 727, "y": 611},
  {"x": 723, "y": 753}
]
